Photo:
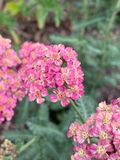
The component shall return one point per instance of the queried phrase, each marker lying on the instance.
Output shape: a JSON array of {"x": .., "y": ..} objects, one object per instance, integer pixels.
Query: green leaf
[
  {"x": 67, "y": 40},
  {"x": 52, "y": 150},
  {"x": 16, "y": 134},
  {"x": 86, "y": 106},
  {"x": 41, "y": 15},
  {"x": 30, "y": 153},
  {"x": 43, "y": 113},
  {"x": 87, "y": 23},
  {"x": 7, "y": 21},
  {"x": 12, "y": 7},
  {"x": 45, "y": 130},
  {"x": 58, "y": 14}
]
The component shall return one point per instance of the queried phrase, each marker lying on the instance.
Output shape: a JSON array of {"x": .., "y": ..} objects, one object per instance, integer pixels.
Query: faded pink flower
[
  {"x": 82, "y": 134},
  {"x": 73, "y": 128},
  {"x": 10, "y": 58},
  {"x": 11, "y": 88},
  {"x": 60, "y": 94},
  {"x": 4, "y": 44},
  {"x": 99, "y": 151},
  {"x": 81, "y": 153}
]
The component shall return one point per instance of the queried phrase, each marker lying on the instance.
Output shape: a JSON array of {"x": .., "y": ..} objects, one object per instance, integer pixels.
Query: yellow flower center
[
  {"x": 74, "y": 132},
  {"x": 85, "y": 134},
  {"x": 103, "y": 135},
  {"x": 106, "y": 120},
  {"x": 101, "y": 150},
  {"x": 81, "y": 153},
  {"x": 106, "y": 108}
]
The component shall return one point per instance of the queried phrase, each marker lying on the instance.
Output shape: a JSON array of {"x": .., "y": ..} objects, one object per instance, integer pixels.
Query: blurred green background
[{"x": 92, "y": 28}]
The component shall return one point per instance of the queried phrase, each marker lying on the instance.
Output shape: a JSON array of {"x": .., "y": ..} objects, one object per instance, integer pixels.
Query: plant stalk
[
  {"x": 77, "y": 111},
  {"x": 86, "y": 9},
  {"x": 23, "y": 148},
  {"x": 113, "y": 17}
]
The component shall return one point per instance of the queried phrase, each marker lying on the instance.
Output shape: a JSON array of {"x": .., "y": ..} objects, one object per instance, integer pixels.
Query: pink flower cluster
[
  {"x": 10, "y": 83},
  {"x": 39, "y": 71},
  {"x": 51, "y": 69},
  {"x": 99, "y": 137}
]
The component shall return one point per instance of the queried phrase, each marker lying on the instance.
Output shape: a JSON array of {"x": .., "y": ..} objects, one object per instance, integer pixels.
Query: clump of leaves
[
  {"x": 39, "y": 138},
  {"x": 41, "y": 9}
]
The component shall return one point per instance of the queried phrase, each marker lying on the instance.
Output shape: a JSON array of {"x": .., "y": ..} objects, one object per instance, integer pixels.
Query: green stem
[
  {"x": 25, "y": 110},
  {"x": 112, "y": 19},
  {"x": 85, "y": 14},
  {"x": 77, "y": 111},
  {"x": 23, "y": 148},
  {"x": 86, "y": 9}
]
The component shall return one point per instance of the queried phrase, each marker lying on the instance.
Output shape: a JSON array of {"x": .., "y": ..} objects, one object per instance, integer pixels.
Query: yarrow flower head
[
  {"x": 51, "y": 69},
  {"x": 8, "y": 57},
  {"x": 7, "y": 148},
  {"x": 10, "y": 83},
  {"x": 99, "y": 136},
  {"x": 39, "y": 71}
]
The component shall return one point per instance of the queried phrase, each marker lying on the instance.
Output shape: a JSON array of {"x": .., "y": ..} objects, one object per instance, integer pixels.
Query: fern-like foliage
[{"x": 49, "y": 137}]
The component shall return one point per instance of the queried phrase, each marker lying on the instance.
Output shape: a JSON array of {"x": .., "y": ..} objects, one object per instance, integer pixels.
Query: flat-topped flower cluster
[
  {"x": 51, "y": 69},
  {"x": 99, "y": 137},
  {"x": 37, "y": 71},
  {"x": 11, "y": 89}
]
